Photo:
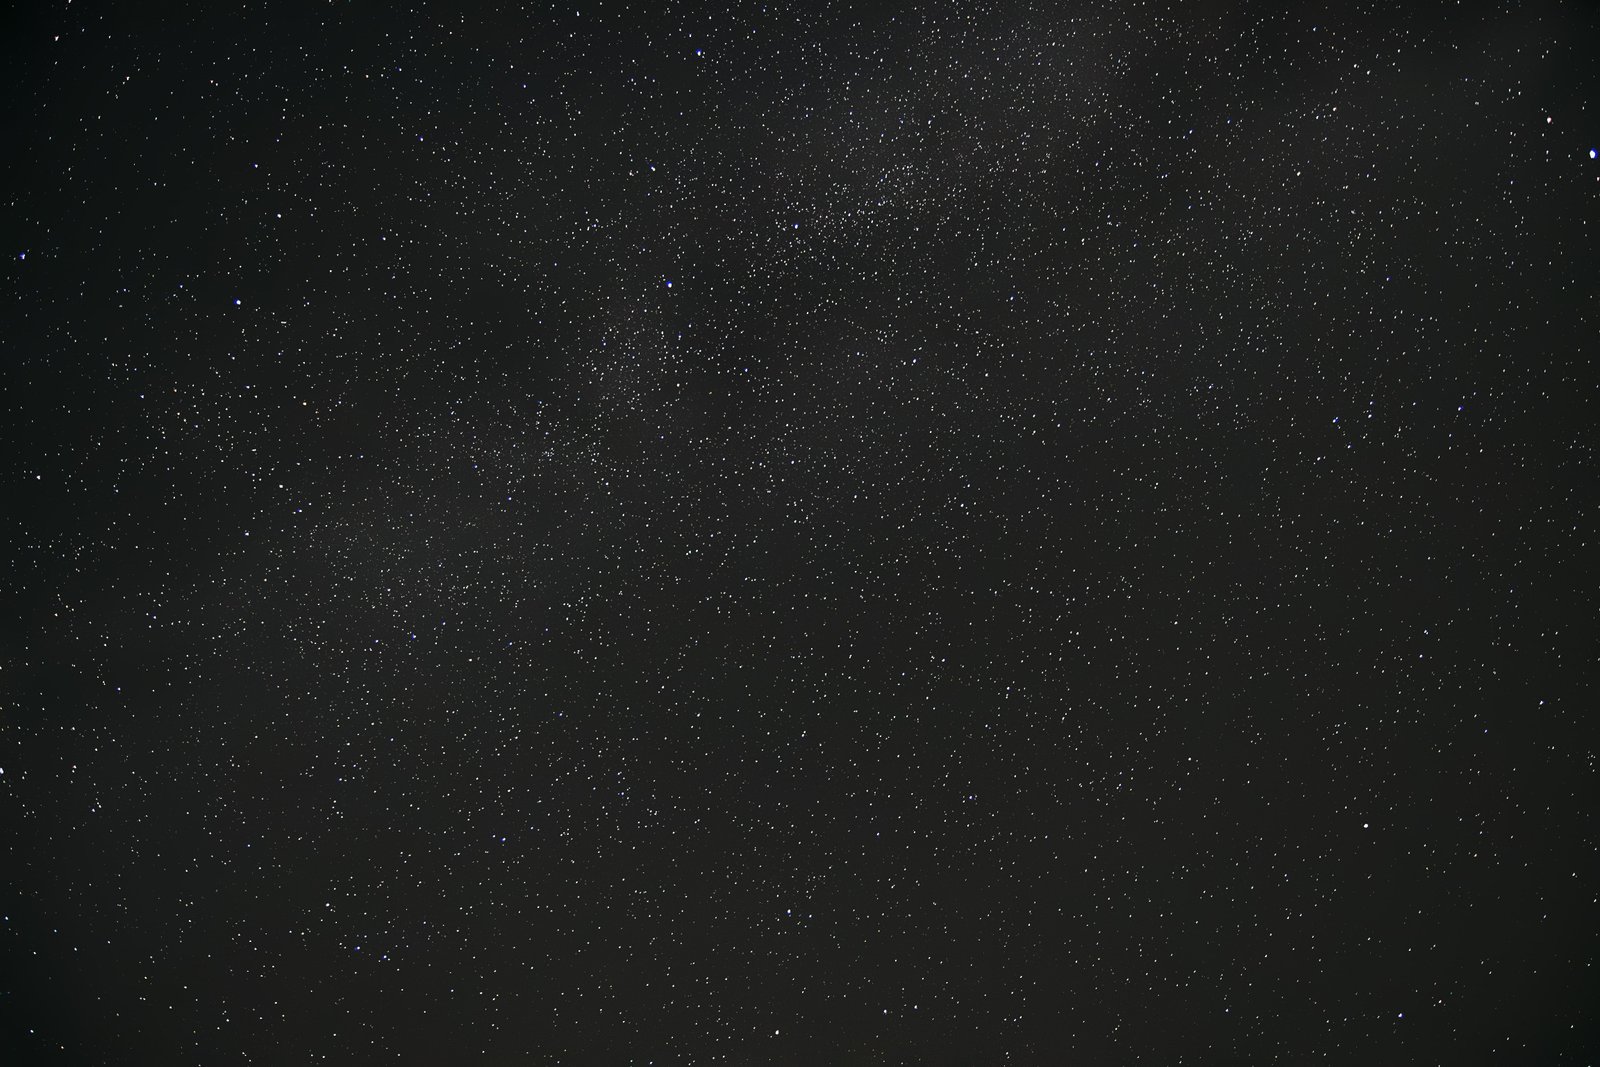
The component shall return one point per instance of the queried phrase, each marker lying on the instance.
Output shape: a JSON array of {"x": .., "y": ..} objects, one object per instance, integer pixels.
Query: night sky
[{"x": 799, "y": 533}]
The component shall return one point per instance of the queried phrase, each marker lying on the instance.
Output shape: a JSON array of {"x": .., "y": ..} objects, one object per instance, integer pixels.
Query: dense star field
[{"x": 799, "y": 533}]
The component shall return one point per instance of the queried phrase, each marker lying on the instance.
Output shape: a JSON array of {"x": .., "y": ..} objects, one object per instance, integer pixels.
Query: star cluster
[{"x": 798, "y": 533}]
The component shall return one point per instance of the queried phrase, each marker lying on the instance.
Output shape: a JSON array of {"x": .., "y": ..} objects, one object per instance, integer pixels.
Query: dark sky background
[{"x": 798, "y": 533}]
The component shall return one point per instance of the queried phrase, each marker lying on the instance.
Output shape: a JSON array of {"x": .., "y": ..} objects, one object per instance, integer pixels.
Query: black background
[{"x": 1089, "y": 559}]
